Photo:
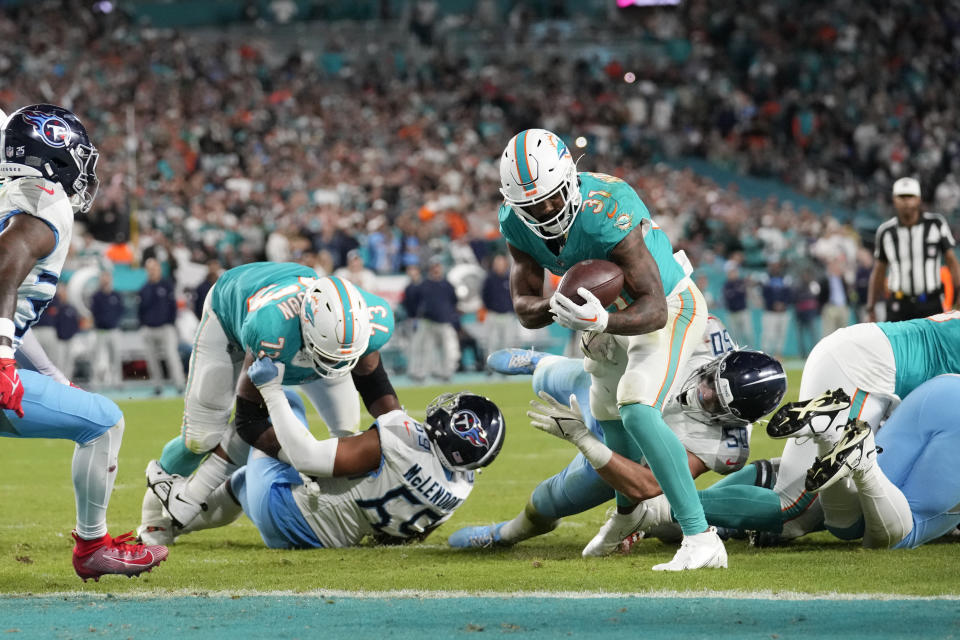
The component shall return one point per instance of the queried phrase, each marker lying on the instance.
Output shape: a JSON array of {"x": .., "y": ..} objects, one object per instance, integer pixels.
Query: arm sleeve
[{"x": 304, "y": 452}]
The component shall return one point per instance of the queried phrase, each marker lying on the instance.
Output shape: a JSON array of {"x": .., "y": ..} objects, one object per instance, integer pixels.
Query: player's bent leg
[
  {"x": 562, "y": 377},
  {"x": 267, "y": 500},
  {"x": 919, "y": 442}
]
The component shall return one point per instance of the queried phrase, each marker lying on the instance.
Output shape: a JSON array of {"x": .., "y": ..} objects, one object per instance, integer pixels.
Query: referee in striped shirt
[{"x": 909, "y": 251}]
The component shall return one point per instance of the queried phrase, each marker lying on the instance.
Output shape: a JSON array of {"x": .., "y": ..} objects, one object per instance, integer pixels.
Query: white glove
[
  {"x": 589, "y": 316},
  {"x": 599, "y": 347},
  {"x": 567, "y": 423}
]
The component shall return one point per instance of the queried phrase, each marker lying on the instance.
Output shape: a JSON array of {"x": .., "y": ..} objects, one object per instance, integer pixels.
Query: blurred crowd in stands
[{"x": 224, "y": 147}]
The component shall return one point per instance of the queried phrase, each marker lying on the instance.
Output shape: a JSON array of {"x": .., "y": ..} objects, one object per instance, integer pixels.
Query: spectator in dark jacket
[
  {"x": 500, "y": 320},
  {"x": 435, "y": 348},
  {"x": 200, "y": 293},
  {"x": 777, "y": 296},
  {"x": 735, "y": 301},
  {"x": 158, "y": 315},
  {"x": 106, "y": 306}
]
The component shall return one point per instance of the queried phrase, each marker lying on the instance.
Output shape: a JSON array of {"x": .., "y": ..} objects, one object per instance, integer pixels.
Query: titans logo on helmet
[
  {"x": 51, "y": 129},
  {"x": 467, "y": 425}
]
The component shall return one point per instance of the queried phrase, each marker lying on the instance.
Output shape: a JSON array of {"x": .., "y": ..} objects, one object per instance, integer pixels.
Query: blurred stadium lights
[{"x": 581, "y": 142}]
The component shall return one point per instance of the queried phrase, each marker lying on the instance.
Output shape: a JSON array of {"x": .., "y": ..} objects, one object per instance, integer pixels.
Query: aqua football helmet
[
  {"x": 538, "y": 179},
  {"x": 335, "y": 324}
]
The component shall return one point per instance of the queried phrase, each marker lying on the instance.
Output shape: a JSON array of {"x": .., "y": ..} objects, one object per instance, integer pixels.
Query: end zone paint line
[
  {"x": 656, "y": 618},
  {"x": 401, "y": 594}
]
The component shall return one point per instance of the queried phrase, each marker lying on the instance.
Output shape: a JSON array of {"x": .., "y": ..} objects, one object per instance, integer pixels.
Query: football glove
[
  {"x": 11, "y": 389},
  {"x": 265, "y": 373},
  {"x": 589, "y": 316},
  {"x": 557, "y": 419}
]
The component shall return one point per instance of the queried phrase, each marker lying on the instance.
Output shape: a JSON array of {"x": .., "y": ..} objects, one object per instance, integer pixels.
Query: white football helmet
[
  {"x": 335, "y": 324},
  {"x": 536, "y": 167}
]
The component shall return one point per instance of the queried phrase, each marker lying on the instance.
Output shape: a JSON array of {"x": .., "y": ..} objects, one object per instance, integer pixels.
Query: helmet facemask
[
  {"x": 87, "y": 184},
  {"x": 706, "y": 397},
  {"x": 538, "y": 213}
]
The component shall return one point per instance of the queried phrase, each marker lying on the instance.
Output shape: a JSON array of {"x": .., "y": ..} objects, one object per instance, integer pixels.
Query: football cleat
[
  {"x": 514, "y": 362},
  {"x": 169, "y": 490},
  {"x": 795, "y": 419},
  {"x": 156, "y": 527},
  {"x": 701, "y": 551},
  {"x": 617, "y": 528},
  {"x": 482, "y": 537},
  {"x": 108, "y": 555},
  {"x": 856, "y": 450}
]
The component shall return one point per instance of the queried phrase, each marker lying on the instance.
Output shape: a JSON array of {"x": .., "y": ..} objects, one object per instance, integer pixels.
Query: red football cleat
[{"x": 95, "y": 558}]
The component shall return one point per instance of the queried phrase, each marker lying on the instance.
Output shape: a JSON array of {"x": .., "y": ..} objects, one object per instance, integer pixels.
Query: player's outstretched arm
[
  {"x": 641, "y": 278},
  {"x": 526, "y": 289},
  {"x": 373, "y": 385},
  {"x": 298, "y": 447},
  {"x": 633, "y": 480}
]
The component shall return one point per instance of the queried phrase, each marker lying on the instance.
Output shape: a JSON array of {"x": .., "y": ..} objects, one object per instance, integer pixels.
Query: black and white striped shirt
[{"x": 914, "y": 254}]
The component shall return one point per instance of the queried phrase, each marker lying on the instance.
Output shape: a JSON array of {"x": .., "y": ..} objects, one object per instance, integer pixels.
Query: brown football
[{"x": 602, "y": 278}]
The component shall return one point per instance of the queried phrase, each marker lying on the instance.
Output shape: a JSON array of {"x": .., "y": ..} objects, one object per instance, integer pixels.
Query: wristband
[
  {"x": 7, "y": 329},
  {"x": 593, "y": 449}
]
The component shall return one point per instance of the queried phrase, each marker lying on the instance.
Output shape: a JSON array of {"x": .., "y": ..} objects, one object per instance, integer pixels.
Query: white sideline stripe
[{"x": 442, "y": 595}]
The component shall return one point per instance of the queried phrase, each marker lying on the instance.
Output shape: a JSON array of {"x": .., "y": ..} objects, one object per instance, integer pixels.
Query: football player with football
[
  {"x": 396, "y": 482},
  {"x": 49, "y": 166},
  {"x": 713, "y": 427},
  {"x": 554, "y": 217},
  {"x": 326, "y": 331}
]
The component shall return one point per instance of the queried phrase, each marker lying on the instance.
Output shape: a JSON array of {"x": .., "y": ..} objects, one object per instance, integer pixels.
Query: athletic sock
[
  {"x": 887, "y": 514},
  {"x": 527, "y": 524},
  {"x": 747, "y": 475},
  {"x": 94, "y": 472},
  {"x": 667, "y": 458},
  {"x": 615, "y": 437},
  {"x": 222, "y": 509},
  {"x": 178, "y": 459},
  {"x": 211, "y": 473}
]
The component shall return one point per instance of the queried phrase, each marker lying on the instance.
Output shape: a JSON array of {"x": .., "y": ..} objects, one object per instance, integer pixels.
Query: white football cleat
[
  {"x": 613, "y": 532},
  {"x": 856, "y": 451},
  {"x": 169, "y": 489},
  {"x": 700, "y": 551},
  {"x": 156, "y": 527}
]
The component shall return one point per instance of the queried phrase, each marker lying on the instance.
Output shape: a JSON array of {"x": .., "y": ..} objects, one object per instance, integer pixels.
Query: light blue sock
[
  {"x": 574, "y": 490},
  {"x": 179, "y": 460},
  {"x": 667, "y": 458}
]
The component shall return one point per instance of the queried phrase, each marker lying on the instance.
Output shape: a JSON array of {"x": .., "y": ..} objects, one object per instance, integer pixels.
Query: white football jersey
[
  {"x": 47, "y": 201},
  {"x": 722, "y": 449},
  {"x": 411, "y": 492}
]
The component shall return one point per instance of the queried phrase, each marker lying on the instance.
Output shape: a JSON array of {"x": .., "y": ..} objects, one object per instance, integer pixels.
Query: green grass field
[{"x": 38, "y": 513}]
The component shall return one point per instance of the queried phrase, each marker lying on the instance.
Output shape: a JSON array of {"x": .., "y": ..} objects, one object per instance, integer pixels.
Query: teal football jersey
[
  {"x": 924, "y": 348},
  {"x": 610, "y": 210},
  {"x": 258, "y": 305}
]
